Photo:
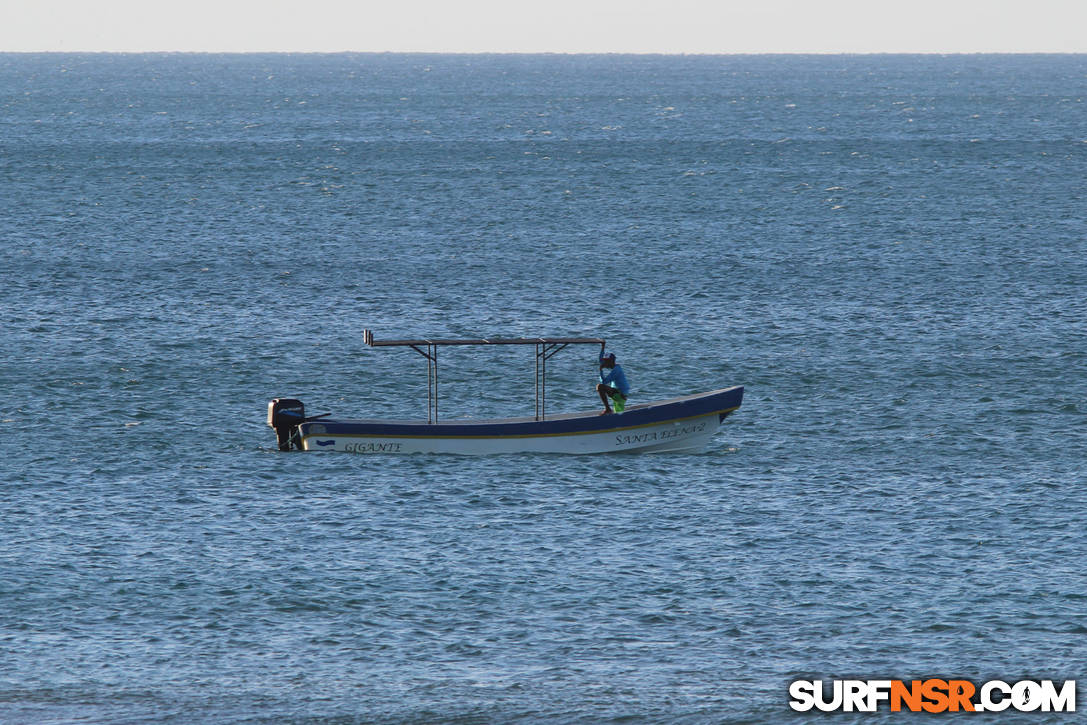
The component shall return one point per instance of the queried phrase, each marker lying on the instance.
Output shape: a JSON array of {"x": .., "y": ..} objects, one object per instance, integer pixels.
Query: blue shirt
[{"x": 616, "y": 379}]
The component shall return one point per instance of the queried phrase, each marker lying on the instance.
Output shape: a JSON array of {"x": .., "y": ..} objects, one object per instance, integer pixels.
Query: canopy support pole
[
  {"x": 544, "y": 352},
  {"x": 431, "y": 355}
]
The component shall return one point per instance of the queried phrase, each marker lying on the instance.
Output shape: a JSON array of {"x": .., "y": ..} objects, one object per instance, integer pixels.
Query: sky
[{"x": 551, "y": 26}]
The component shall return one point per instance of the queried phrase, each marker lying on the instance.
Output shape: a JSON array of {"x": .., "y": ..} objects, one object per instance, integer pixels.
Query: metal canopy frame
[{"x": 546, "y": 348}]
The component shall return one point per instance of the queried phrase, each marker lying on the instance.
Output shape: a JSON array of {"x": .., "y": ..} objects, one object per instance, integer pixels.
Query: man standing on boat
[{"x": 613, "y": 384}]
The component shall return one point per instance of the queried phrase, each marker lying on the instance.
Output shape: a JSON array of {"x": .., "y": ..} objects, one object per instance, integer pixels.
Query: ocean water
[{"x": 887, "y": 251}]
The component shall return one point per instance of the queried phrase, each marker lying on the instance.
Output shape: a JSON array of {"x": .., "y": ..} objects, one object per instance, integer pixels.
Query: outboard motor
[{"x": 284, "y": 415}]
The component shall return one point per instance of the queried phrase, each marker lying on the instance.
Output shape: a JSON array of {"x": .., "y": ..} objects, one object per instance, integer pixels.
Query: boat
[{"x": 683, "y": 423}]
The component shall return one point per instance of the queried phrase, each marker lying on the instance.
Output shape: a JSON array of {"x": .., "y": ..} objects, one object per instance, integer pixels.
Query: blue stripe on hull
[{"x": 721, "y": 402}]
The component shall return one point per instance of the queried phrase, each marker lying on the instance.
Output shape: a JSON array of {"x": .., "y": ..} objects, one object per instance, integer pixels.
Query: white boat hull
[
  {"x": 678, "y": 424},
  {"x": 680, "y": 435}
]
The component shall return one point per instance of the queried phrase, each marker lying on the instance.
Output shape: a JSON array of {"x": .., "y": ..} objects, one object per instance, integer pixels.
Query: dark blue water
[{"x": 888, "y": 251}]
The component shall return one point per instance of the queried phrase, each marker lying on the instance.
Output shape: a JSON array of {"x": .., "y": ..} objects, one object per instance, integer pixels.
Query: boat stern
[{"x": 284, "y": 417}]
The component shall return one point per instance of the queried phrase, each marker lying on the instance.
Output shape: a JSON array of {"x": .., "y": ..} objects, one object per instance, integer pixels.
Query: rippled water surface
[{"x": 887, "y": 251}]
